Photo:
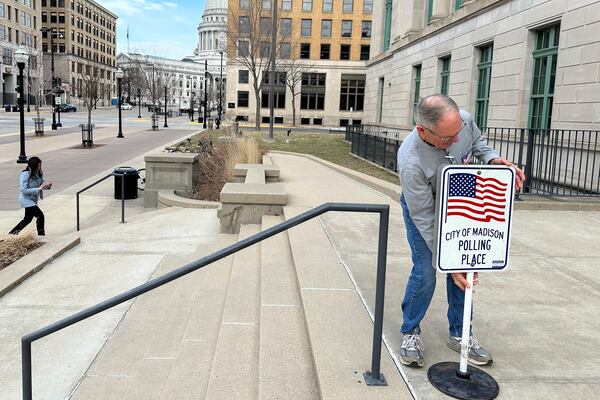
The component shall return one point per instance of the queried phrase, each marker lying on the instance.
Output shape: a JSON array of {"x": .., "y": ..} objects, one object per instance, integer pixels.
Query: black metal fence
[{"x": 556, "y": 162}]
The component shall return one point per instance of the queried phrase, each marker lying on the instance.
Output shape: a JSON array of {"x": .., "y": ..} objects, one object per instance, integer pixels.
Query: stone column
[
  {"x": 412, "y": 16},
  {"x": 441, "y": 8}
]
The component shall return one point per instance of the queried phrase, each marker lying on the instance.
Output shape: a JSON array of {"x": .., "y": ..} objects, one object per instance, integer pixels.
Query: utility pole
[{"x": 273, "y": 55}]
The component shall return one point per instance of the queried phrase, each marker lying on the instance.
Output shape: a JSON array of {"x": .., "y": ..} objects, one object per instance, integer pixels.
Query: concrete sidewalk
[{"x": 539, "y": 318}]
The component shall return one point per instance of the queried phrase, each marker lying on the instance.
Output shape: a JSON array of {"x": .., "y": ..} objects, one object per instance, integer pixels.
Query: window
[
  {"x": 348, "y": 5},
  {"x": 242, "y": 98},
  {"x": 285, "y": 27},
  {"x": 265, "y": 49},
  {"x": 243, "y": 76},
  {"x": 445, "y": 75},
  {"x": 286, "y": 5},
  {"x": 327, "y": 5},
  {"x": 325, "y": 50},
  {"x": 346, "y": 28},
  {"x": 367, "y": 6},
  {"x": 279, "y": 90},
  {"x": 2, "y": 33},
  {"x": 266, "y": 4},
  {"x": 306, "y": 29},
  {"x": 457, "y": 4},
  {"x": 344, "y": 52},
  {"x": 365, "y": 51},
  {"x": 304, "y": 50},
  {"x": 61, "y": 18},
  {"x": 285, "y": 50},
  {"x": 312, "y": 92},
  {"x": 545, "y": 57},
  {"x": 317, "y": 121},
  {"x": 304, "y": 121},
  {"x": 380, "y": 100},
  {"x": 244, "y": 4},
  {"x": 483, "y": 85},
  {"x": 387, "y": 25},
  {"x": 429, "y": 10},
  {"x": 2, "y": 15},
  {"x": 417, "y": 93},
  {"x": 265, "y": 25},
  {"x": 7, "y": 56},
  {"x": 244, "y": 26},
  {"x": 243, "y": 48},
  {"x": 306, "y": 5},
  {"x": 366, "y": 29},
  {"x": 352, "y": 92},
  {"x": 326, "y": 28}
]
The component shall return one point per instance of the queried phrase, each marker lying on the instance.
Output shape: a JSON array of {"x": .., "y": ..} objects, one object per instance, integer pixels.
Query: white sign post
[{"x": 472, "y": 233}]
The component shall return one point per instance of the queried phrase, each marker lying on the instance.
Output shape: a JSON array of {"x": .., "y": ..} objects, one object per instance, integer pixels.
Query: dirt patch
[{"x": 13, "y": 247}]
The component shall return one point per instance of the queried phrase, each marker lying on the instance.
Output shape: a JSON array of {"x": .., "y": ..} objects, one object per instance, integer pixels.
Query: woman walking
[{"x": 32, "y": 185}]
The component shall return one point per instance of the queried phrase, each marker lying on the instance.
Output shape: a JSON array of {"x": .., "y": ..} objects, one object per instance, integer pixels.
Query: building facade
[
  {"x": 329, "y": 40},
  {"x": 20, "y": 26},
  {"x": 81, "y": 37},
  {"x": 511, "y": 63},
  {"x": 184, "y": 80}
]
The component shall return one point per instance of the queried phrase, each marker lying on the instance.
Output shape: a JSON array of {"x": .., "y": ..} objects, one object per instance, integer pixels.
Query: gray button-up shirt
[{"x": 418, "y": 163}]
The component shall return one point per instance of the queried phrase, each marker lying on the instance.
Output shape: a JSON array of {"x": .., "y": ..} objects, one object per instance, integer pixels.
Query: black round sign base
[{"x": 475, "y": 385}]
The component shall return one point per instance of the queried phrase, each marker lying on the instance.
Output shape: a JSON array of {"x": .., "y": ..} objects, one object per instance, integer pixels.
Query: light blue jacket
[{"x": 30, "y": 193}]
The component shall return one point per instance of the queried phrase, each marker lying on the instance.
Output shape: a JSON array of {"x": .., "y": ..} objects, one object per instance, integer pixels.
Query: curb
[
  {"x": 393, "y": 191},
  {"x": 14, "y": 274}
]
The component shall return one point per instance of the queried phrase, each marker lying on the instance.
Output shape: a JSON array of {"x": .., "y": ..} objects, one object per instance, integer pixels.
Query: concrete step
[
  {"x": 339, "y": 328},
  {"x": 164, "y": 346},
  {"x": 286, "y": 368},
  {"x": 234, "y": 373}
]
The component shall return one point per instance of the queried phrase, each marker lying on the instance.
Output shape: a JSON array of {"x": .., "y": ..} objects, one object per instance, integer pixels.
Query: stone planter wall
[{"x": 176, "y": 171}]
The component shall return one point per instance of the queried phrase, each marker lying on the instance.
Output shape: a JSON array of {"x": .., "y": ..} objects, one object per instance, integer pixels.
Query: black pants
[{"x": 31, "y": 212}]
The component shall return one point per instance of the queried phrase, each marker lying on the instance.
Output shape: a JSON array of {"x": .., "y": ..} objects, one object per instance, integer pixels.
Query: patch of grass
[
  {"x": 14, "y": 247},
  {"x": 328, "y": 146}
]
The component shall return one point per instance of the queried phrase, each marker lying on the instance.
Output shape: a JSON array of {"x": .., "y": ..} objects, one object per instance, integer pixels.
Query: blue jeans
[{"x": 421, "y": 284}]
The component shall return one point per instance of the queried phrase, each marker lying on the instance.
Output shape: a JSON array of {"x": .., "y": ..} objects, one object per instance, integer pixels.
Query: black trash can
[{"x": 131, "y": 177}]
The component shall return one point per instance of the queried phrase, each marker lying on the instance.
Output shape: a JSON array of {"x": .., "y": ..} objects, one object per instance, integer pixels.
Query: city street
[{"x": 9, "y": 121}]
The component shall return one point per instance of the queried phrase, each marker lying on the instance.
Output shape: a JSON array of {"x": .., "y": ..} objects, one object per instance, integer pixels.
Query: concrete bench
[{"x": 253, "y": 195}]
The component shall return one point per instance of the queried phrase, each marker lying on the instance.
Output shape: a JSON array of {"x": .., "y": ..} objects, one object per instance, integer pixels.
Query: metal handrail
[
  {"x": 102, "y": 180},
  {"x": 372, "y": 377}
]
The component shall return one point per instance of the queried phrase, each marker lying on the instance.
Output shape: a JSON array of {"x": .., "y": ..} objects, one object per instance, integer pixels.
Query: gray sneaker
[
  {"x": 411, "y": 351},
  {"x": 477, "y": 354}
]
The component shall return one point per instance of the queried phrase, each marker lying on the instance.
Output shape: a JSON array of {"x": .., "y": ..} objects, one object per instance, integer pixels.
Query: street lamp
[
  {"x": 205, "y": 94},
  {"x": 119, "y": 75},
  {"x": 21, "y": 57},
  {"x": 220, "y": 92},
  {"x": 139, "y": 93},
  {"x": 51, "y": 32},
  {"x": 165, "y": 125}
]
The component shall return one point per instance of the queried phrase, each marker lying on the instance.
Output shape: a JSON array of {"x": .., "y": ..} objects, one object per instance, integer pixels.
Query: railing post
[
  {"x": 529, "y": 160},
  {"x": 77, "y": 202},
  {"x": 26, "y": 368},
  {"x": 123, "y": 198},
  {"x": 375, "y": 377}
]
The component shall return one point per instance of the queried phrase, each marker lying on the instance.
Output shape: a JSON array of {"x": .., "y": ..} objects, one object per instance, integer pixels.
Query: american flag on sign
[{"x": 474, "y": 197}]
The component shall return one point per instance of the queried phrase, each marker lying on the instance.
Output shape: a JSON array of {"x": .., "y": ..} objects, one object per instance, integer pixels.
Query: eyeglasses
[{"x": 447, "y": 139}]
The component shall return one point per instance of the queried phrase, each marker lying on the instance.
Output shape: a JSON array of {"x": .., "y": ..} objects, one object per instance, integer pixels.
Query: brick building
[
  {"x": 19, "y": 26},
  {"x": 331, "y": 37},
  {"x": 84, "y": 40}
]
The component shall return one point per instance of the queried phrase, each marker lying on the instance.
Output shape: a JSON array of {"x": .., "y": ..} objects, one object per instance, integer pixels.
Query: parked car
[
  {"x": 126, "y": 106},
  {"x": 66, "y": 107}
]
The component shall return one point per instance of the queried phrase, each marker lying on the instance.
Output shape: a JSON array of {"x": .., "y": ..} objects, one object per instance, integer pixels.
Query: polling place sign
[{"x": 473, "y": 218}]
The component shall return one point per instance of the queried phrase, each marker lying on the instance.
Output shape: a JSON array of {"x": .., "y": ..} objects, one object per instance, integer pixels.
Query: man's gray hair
[{"x": 432, "y": 108}]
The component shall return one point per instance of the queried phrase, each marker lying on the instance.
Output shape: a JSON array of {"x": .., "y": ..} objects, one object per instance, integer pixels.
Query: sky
[{"x": 163, "y": 28}]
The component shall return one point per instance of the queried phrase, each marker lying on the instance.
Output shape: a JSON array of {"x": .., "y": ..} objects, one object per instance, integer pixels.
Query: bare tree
[
  {"x": 249, "y": 38},
  {"x": 152, "y": 75},
  {"x": 294, "y": 69},
  {"x": 90, "y": 89}
]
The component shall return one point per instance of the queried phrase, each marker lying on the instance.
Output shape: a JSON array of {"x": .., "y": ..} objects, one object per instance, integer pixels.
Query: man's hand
[
  {"x": 519, "y": 178},
  {"x": 460, "y": 279}
]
